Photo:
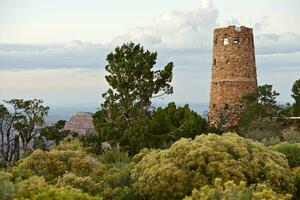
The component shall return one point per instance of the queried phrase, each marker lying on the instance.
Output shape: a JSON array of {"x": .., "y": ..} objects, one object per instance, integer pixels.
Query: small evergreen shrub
[{"x": 291, "y": 151}]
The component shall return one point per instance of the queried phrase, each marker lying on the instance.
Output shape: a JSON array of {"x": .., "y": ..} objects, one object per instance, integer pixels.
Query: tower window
[
  {"x": 215, "y": 61},
  {"x": 225, "y": 41},
  {"x": 216, "y": 41},
  {"x": 226, "y": 106},
  {"x": 236, "y": 40}
]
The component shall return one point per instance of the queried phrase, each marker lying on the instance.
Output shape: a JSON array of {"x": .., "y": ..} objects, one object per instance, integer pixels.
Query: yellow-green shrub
[
  {"x": 230, "y": 191},
  {"x": 30, "y": 187},
  {"x": 6, "y": 185},
  {"x": 53, "y": 164},
  {"x": 64, "y": 193},
  {"x": 187, "y": 164},
  {"x": 86, "y": 184},
  {"x": 74, "y": 145}
]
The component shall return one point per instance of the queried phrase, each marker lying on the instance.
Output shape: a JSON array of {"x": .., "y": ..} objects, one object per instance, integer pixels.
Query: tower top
[{"x": 235, "y": 28}]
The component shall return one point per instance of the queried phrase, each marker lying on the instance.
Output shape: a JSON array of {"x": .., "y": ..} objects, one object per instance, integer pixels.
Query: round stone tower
[{"x": 233, "y": 74}]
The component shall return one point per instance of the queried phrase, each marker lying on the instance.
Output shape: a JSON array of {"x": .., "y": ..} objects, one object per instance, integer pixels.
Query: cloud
[
  {"x": 277, "y": 43},
  {"x": 75, "y": 54}
]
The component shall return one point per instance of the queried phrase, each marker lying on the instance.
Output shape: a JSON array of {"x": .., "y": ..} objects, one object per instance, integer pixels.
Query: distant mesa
[{"x": 81, "y": 123}]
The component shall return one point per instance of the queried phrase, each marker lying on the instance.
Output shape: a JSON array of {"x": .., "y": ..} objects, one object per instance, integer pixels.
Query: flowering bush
[
  {"x": 187, "y": 164},
  {"x": 230, "y": 190}
]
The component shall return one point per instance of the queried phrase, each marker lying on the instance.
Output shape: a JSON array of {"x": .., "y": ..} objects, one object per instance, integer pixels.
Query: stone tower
[{"x": 233, "y": 74}]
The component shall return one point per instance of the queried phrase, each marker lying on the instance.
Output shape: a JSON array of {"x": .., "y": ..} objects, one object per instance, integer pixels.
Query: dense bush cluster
[{"x": 189, "y": 164}]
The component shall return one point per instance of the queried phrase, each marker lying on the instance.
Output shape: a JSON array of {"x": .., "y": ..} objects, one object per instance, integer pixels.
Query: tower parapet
[{"x": 233, "y": 74}]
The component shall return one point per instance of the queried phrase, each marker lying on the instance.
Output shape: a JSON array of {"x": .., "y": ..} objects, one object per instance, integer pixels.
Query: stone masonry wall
[{"x": 233, "y": 74}]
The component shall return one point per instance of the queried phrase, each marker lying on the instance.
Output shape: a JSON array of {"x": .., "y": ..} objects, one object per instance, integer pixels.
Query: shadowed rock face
[{"x": 81, "y": 123}]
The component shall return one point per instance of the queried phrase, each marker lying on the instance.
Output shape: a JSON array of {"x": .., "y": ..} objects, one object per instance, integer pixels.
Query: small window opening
[
  {"x": 226, "y": 106},
  {"x": 216, "y": 42},
  {"x": 225, "y": 41},
  {"x": 227, "y": 61},
  {"x": 236, "y": 40},
  {"x": 215, "y": 61},
  {"x": 214, "y": 105}
]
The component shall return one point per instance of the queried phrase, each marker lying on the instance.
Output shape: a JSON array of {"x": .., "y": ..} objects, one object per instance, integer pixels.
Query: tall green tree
[
  {"x": 296, "y": 96},
  {"x": 133, "y": 84}
]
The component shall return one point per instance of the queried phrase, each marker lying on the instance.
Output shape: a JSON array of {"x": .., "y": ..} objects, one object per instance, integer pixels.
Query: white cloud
[{"x": 177, "y": 29}]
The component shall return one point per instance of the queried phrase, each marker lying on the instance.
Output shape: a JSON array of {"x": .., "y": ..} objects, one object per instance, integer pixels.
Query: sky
[{"x": 55, "y": 50}]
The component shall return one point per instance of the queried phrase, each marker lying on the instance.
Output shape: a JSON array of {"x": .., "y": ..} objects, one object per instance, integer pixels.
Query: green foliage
[
  {"x": 161, "y": 128},
  {"x": 53, "y": 164},
  {"x": 258, "y": 105},
  {"x": 114, "y": 157},
  {"x": 296, "y": 96},
  {"x": 6, "y": 185},
  {"x": 257, "y": 119},
  {"x": 165, "y": 126},
  {"x": 296, "y": 174},
  {"x": 262, "y": 129},
  {"x": 92, "y": 143},
  {"x": 117, "y": 183},
  {"x": 172, "y": 173},
  {"x": 55, "y": 132},
  {"x": 30, "y": 117},
  {"x": 232, "y": 191},
  {"x": 291, "y": 151},
  {"x": 133, "y": 83}
]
